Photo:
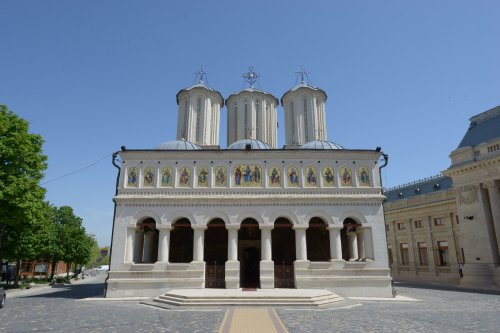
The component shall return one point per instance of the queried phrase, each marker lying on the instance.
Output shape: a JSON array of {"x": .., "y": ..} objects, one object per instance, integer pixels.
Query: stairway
[{"x": 237, "y": 297}]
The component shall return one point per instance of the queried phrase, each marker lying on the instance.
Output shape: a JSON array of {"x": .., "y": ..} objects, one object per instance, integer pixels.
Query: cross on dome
[
  {"x": 201, "y": 74},
  {"x": 303, "y": 74},
  {"x": 250, "y": 77}
]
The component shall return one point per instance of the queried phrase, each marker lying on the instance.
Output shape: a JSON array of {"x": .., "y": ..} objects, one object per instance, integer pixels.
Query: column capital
[
  {"x": 164, "y": 227},
  {"x": 300, "y": 227},
  {"x": 335, "y": 227},
  {"x": 266, "y": 227},
  {"x": 198, "y": 226},
  {"x": 488, "y": 185},
  {"x": 233, "y": 227}
]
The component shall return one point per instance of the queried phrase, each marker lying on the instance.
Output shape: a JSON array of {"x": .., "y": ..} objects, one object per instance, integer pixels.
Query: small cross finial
[
  {"x": 201, "y": 74},
  {"x": 303, "y": 74},
  {"x": 251, "y": 76}
]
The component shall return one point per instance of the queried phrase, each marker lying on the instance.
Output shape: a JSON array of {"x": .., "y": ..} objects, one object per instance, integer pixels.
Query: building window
[
  {"x": 306, "y": 122},
  {"x": 389, "y": 253},
  {"x": 198, "y": 120},
  {"x": 405, "y": 257},
  {"x": 422, "y": 254},
  {"x": 438, "y": 221},
  {"x": 235, "y": 122},
  {"x": 248, "y": 130},
  {"x": 400, "y": 226},
  {"x": 443, "y": 255},
  {"x": 419, "y": 224},
  {"x": 292, "y": 118},
  {"x": 186, "y": 119}
]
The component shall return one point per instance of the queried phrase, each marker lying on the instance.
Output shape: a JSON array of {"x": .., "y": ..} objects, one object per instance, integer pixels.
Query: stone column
[
  {"x": 368, "y": 240},
  {"x": 266, "y": 262},
  {"x": 361, "y": 243},
  {"x": 163, "y": 243},
  {"x": 300, "y": 243},
  {"x": 138, "y": 245},
  {"x": 232, "y": 264},
  {"x": 352, "y": 243},
  {"x": 335, "y": 243},
  {"x": 199, "y": 236},
  {"x": 129, "y": 251},
  {"x": 494, "y": 194}
]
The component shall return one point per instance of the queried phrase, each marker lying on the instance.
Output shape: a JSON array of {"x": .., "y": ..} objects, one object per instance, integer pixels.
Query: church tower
[
  {"x": 199, "y": 113},
  {"x": 252, "y": 114},
  {"x": 304, "y": 107}
]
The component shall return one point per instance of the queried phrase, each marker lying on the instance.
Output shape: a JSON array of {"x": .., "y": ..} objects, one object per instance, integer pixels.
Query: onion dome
[
  {"x": 249, "y": 144},
  {"x": 178, "y": 145},
  {"x": 321, "y": 144}
]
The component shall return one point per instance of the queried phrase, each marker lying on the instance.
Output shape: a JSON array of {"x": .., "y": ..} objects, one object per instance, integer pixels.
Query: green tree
[{"x": 22, "y": 206}]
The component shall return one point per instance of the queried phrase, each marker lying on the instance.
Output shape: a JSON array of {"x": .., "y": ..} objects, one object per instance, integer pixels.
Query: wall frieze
[{"x": 338, "y": 204}]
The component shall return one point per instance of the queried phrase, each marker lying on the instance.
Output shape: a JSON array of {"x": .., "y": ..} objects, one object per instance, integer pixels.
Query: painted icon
[
  {"x": 346, "y": 176},
  {"x": 132, "y": 177},
  {"x": 363, "y": 177},
  {"x": 311, "y": 176},
  {"x": 328, "y": 176},
  {"x": 166, "y": 176},
  {"x": 293, "y": 177},
  {"x": 247, "y": 175},
  {"x": 274, "y": 176},
  {"x": 202, "y": 176},
  {"x": 220, "y": 176},
  {"x": 185, "y": 176},
  {"x": 149, "y": 177}
]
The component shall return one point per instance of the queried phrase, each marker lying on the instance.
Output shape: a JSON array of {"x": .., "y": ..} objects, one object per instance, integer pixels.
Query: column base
[
  {"x": 337, "y": 263},
  {"x": 232, "y": 274},
  {"x": 267, "y": 274}
]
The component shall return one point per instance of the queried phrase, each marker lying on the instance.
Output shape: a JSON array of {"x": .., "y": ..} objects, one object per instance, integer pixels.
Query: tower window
[
  {"x": 198, "y": 120},
  {"x": 306, "y": 122}
]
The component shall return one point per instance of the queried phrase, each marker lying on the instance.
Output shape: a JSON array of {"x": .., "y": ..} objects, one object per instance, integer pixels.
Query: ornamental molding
[
  {"x": 467, "y": 194},
  {"x": 237, "y": 205}
]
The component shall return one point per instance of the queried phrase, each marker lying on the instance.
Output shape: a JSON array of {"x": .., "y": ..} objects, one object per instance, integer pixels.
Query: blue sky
[{"x": 91, "y": 76}]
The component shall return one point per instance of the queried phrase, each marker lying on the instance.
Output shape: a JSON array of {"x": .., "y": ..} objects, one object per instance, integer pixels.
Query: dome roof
[
  {"x": 178, "y": 145},
  {"x": 303, "y": 86},
  {"x": 252, "y": 90},
  {"x": 254, "y": 144},
  {"x": 320, "y": 144},
  {"x": 201, "y": 85}
]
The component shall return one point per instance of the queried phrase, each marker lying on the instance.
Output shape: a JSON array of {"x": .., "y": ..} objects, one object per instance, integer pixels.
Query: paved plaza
[{"x": 80, "y": 308}]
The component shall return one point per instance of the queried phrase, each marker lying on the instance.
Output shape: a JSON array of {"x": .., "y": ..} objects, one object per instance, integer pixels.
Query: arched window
[
  {"x": 318, "y": 240},
  {"x": 248, "y": 130},
  {"x": 349, "y": 239},
  {"x": 292, "y": 122},
  {"x": 259, "y": 125},
  {"x": 146, "y": 242},
  {"x": 235, "y": 122},
  {"x": 181, "y": 242},
  {"x": 306, "y": 121},
  {"x": 186, "y": 119},
  {"x": 199, "y": 128}
]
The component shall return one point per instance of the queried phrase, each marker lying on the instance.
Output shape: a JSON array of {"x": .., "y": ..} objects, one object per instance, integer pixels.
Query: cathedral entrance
[
  {"x": 215, "y": 254},
  {"x": 249, "y": 253},
  {"x": 283, "y": 249}
]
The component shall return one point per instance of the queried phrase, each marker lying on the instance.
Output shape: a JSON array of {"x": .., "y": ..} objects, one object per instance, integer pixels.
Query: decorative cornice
[{"x": 312, "y": 204}]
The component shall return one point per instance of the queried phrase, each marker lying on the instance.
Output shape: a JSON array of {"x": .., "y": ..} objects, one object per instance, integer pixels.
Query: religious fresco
[
  {"x": 328, "y": 176},
  {"x": 220, "y": 176},
  {"x": 346, "y": 176},
  {"x": 274, "y": 176},
  {"x": 248, "y": 175},
  {"x": 292, "y": 177},
  {"x": 149, "y": 177},
  {"x": 184, "y": 176},
  {"x": 166, "y": 176},
  {"x": 202, "y": 176},
  {"x": 310, "y": 176},
  {"x": 363, "y": 178},
  {"x": 132, "y": 177}
]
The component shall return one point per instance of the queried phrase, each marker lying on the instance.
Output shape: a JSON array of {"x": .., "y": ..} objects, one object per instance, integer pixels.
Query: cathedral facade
[{"x": 191, "y": 215}]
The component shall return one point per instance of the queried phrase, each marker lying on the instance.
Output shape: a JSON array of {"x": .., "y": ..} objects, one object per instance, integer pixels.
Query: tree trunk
[
  {"x": 17, "y": 273},
  {"x": 53, "y": 269}
]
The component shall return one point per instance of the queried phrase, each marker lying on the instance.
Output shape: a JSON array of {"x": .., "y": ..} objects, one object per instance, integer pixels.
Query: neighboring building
[
  {"x": 423, "y": 231},
  {"x": 191, "y": 215},
  {"x": 475, "y": 170},
  {"x": 439, "y": 224},
  {"x": 41, "y": 268}
]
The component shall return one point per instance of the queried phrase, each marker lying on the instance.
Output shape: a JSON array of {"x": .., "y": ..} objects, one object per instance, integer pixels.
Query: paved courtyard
[{"x": 69, "y": 309}]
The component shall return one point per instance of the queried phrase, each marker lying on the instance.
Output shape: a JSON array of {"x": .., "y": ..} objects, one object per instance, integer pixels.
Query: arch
[
  {"x": 249, "y": 246},
  {"x": 215, "y": 253},
  {"x": 319, "y": 214},
  {"x": 285, "y": 215},
  {"x": 146, "y": 241},
  {"x": 181, "y": 214},
  {"x": 348, "y": 239},
  {"x": 318, "y": 240},
  {"x": 358, "y": 217},
  {"x": 219, "y": 215},
  {"x": 181, "y": 242},
  {"x": 145, "y": 214},
  {"x": 249, "y": 215},
  {"x": 283, "y": 253}
]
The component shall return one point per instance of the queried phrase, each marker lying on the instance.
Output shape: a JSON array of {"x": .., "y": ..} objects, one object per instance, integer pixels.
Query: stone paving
[{"x": 61, "y": 309}]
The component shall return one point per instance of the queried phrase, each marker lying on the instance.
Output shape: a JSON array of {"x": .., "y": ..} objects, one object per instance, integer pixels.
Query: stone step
[{"x": 223, "y": 297}]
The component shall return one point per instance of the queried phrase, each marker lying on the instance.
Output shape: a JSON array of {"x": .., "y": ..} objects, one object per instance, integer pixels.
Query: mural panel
[
  {"x": 274, "y": 176},
  {"x": 166, "y": 176},
  {"x": 202, "y": 176},
  {"x": 149, "y": 177},
  {"x": 328, "y": 178},
  {"x": 292, "y": 177},
  {"x": 184, "y": 176},
  {"x": 363, "y": 176},
  {"x": 132, "y": 177},
  {"x": 311, "y": 177},
  {"x": 220, "y": 176},
  {"x": 346, "y": 176},
  {"x": 248, "y": 175}
]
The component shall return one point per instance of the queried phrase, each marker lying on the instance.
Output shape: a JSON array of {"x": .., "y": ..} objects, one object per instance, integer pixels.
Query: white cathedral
[{"x": 191, "y": 215}]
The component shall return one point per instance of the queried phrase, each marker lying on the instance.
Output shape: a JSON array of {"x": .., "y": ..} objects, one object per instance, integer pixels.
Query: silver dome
[
  {"x": 254, "y": 144},
  {"x": 320, "y": 144},
  {"x": 178, "y": 145}
]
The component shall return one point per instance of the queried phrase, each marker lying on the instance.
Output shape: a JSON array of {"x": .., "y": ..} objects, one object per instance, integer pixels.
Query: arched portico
[
  {"x": 283, "y": 253},
  {"x": 215, "y": 253},
  {"x": 181, "y": 242},
  {"x": 146, "y": 242},
  {"x": 249, "y": 246},
  {"x": 318, "y": 240}
]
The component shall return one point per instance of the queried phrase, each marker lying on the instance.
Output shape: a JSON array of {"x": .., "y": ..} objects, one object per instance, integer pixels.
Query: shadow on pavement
[
  {"x": 436, "y": 286},
  {"x": 74, "y": 291}
]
